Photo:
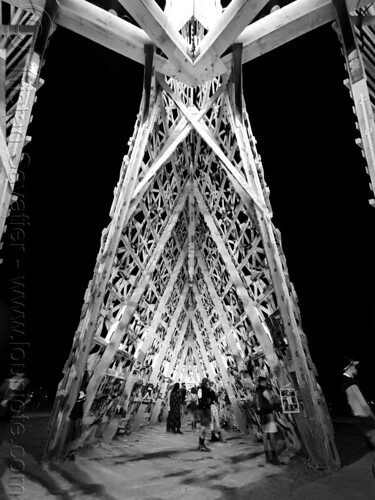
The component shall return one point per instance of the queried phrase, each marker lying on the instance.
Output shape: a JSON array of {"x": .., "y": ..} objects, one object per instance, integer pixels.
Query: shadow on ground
[{"x": 349, "y": 443}]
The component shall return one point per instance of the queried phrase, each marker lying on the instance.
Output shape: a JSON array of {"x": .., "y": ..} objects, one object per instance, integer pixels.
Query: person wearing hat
[{"x": 364, "y": 417}]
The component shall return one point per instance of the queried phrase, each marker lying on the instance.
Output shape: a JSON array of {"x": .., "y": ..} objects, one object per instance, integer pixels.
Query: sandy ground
[{"x": 156, "y": 465}]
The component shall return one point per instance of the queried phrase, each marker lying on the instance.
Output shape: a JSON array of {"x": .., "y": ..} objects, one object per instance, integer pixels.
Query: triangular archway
[{"x": 190, "y": 279}]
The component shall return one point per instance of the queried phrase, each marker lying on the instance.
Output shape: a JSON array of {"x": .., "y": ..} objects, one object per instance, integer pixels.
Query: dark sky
[{"x": 301, "y": 116}]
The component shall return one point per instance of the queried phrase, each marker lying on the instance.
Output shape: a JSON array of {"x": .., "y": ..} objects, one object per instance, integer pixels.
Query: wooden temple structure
[{"x": 191, "y": 279}]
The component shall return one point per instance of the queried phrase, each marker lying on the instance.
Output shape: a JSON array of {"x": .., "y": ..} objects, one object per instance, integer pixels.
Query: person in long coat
[{"x": 174, "y": 415}]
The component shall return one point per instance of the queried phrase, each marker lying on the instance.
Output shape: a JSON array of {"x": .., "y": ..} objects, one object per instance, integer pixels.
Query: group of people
[{"x": 202, "y": 402}]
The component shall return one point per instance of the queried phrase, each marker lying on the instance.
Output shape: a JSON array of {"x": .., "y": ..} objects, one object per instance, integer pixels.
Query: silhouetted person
[
  {"x": 183, "y": 393},
  {"x": 364, "y": 417},
  {"x": 204, "y": 405},
  {"x": 174, "y": 415}
]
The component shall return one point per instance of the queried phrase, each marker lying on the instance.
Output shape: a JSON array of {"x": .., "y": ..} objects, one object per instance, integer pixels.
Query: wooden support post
[
  {"x": 46, "y": 27},
  {"x": 237, "y": 79},
  {"x": 359, "y": 88},
  {"x": 2, "y": 91},
  {"x": 191, "y": 251},
  {"x": 147, "y": 80}
]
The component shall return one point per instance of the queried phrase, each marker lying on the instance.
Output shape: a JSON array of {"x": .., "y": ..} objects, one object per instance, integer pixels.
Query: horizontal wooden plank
[
  {"x": 122, "y": 37},
  {"x": 282, "y": 26}
]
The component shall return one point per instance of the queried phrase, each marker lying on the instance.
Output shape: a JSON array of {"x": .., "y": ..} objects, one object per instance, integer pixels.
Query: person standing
[
  {"x": 204, "y": 406},
  {"x": 364, "y": 417},
  {"x": 174, "y": 416},
  {"x": 193, "y": 406},
  {"x": 264, "y": 406},
  {"x": 168, "y": 407},
  {"x": 215, "y": 423},
  {"x": 183, "y": 393}
]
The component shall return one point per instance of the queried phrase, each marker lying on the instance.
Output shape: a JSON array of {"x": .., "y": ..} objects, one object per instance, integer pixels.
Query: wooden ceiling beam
[
  {"x": 286, "y": 24},
  {"x": 270, "y": 32},
  {"x": 101, "y": 27},
  {"x": 227, "y": 28},
  {"x": 164, "y": 34}
]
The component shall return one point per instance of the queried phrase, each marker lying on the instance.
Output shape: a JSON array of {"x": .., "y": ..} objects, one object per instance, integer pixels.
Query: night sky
[{"x": 301, "y": 115}]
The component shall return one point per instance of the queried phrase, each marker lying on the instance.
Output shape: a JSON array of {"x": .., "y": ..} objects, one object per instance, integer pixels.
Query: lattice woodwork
[
  {"x": 356, "y": 33},
  {"x": 190, "y": 279}
]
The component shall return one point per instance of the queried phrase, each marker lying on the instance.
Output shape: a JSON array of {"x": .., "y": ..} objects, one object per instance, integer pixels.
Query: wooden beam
[
  {"x": 218, "y": 306},
  {"x": 147, "y": 80},
  {"x": 46, "y": 27},
  {"x": 248, "y": 160},
  {"x": 18, "y": 29},
  {"x": 8, "y": 177},
  {"x": 227, "y": 28},
  {"x": 197, "y": 360},
  {"x": 122, "y": 37},
  {"x": 164, "y": 35},
  {"x": 282, "y": 26},
  {"x": 100, "y": 26},
  {"x": 181, "y": 363},
  {"x": 161, "y": 310},
  {"x": 237, "y": 79},
  {"x": 199, "y": 337},
  {"x": 239, "y": 182},
  {"x": 259, "y": 328},
  {"x": 191, "y": 251},
  {"x": 176, "y": 136},
  {"x": 2, "y": 91}
]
